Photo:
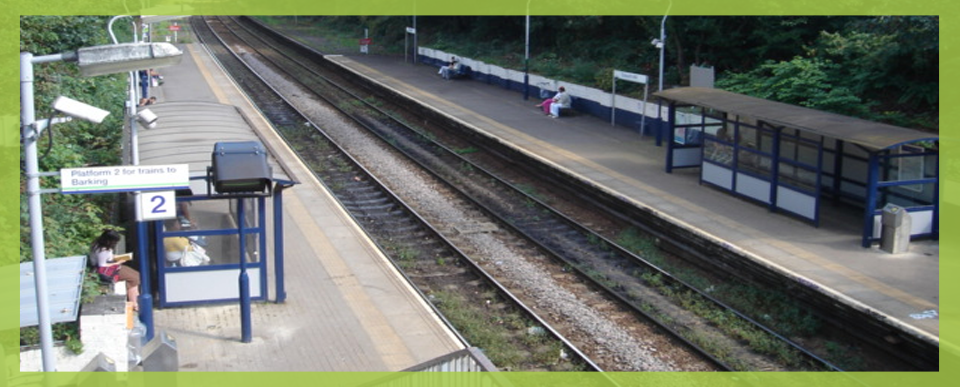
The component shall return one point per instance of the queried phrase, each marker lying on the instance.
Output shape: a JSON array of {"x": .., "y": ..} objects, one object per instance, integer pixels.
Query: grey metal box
[{"x": 240, "y": 167}]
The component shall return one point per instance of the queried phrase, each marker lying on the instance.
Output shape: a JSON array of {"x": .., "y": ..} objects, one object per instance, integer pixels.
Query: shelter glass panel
[
  {"x": 912, "y": 195},
  {"x": 191, "y": 250},
  {"x": 754, "y": 163},
  {"x": 750, "y": 137},
  {"x": 931, "y": 165},
  {"x": 201, "y": 215},
  {"x": 718, "y": 152},
  {"x": 797, "y": 176},
  {"x": 252, "y": 248}
]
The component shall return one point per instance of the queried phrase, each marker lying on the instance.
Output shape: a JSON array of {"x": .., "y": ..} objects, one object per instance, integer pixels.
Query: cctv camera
[
  {"x": 77, "y": 109},
  {"x": 147, "y": 119}
]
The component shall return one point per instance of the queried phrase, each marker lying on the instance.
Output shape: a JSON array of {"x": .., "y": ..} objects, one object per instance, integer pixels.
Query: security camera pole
[{"x": 97, "y": 60}]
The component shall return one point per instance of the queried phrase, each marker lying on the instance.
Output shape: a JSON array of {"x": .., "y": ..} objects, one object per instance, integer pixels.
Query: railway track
[
  {"x": 639, "y": 287},
  {"x": 406, "y": 237}
]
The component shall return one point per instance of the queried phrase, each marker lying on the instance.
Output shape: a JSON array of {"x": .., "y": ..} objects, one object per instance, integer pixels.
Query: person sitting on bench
[
  {"x": 102, "y": 253},
  {"x": 453, "y": 66},
  {"x": 552, "y": 106}
]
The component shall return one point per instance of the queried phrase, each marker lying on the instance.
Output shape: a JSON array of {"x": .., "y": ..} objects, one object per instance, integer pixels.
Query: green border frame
[{"x": 9, "y": 118}]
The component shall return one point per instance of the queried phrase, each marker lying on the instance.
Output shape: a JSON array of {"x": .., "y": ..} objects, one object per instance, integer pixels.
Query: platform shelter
[{"x": 790, "y": 158}]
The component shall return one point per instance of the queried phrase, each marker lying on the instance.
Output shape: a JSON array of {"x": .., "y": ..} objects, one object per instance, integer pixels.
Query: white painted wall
[{"x": 579, "y": 91}]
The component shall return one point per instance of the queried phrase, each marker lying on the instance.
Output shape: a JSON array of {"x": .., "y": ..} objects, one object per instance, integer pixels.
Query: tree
[
  {"x": 800, "y": 81},
  {"x": 892, "y": 58},
  {"x": 883, "y": 68}
]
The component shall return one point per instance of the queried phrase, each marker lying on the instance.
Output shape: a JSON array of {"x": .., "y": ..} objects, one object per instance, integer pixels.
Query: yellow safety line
[
  {"x": 205, "y": 72},
  {"x": 388, "y": 344}
]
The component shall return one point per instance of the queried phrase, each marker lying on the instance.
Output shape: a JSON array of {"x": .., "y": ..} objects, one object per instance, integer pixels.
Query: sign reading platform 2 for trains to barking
[{"x": 124, "y": 178}]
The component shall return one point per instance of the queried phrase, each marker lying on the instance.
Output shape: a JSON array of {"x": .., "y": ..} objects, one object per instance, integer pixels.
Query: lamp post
[
  {"x": 526, "y": 56},
  {"x": 97, "y": 60},
  {"x": 660, "y": 43}
]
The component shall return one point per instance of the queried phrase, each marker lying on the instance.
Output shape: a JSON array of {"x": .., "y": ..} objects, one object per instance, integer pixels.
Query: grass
[
  {"x": 730, "y": 324},
  {"x": 479, "y": 329},
  {"x": 843, "y": 356},
  {"x": 776, "y": 309},
  {"x": 467, "y": 150}
]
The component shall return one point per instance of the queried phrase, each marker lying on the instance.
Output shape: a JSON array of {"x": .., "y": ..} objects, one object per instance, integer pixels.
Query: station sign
[
  {"x": 124, "y": 178},
  {"x": 633, "y": 77},
  {"x": 174, "y": 27},
  {"x": 157, "y": 205},
  {"x": 630, "y": 77}
]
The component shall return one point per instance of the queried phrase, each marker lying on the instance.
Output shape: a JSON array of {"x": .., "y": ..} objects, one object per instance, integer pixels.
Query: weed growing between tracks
[
  {"x": 772, "y": 308},
  {"x": 495, "y": 335}
]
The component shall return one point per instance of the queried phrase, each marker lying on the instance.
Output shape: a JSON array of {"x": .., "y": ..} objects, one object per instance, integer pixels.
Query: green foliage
[
  {"x": 43, "y": 35},
  {"x": 800, "y": 81},
  {"x": 883, "y": 69},
  {"x": 68, "y": 333},
  {"x": 71, "y": 221},
  {"x": 893, "y": 58}
]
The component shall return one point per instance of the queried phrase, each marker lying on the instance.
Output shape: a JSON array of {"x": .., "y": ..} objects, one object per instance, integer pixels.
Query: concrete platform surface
[{"x": 347, "y": 308}]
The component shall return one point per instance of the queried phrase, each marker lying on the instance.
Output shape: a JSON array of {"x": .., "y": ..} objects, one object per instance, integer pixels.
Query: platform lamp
[
  {"x": 240, "y": 168},
  {"x": 660, "y": 42},
  {"x": 97, "y": 60}
]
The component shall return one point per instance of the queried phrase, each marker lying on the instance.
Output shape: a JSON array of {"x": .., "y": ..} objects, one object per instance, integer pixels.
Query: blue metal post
[
  {"x": 870, "y": 204},
  {"x": 145, "y": 301},
  {"x": 526, "y": 57},
  {"x": 263, "y": 255},
  {"x": 936, "y": 202},
  {"x": 775, "y": 168},
  {"x": 837, "y": 170},
  {"x": 819, "y": 185},
  {"x": 660, "y": 124},
  {"x": 669, "y": 130},
  {"x": 278, "y": 242},
  {"x": 246, "y": 334}
]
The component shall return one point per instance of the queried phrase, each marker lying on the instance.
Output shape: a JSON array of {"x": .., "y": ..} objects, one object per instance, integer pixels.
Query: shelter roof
[{"x": 870, "y": 134}]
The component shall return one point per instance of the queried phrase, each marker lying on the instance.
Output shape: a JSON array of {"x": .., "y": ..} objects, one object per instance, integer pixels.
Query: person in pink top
[{"x": 102, "y": 252}]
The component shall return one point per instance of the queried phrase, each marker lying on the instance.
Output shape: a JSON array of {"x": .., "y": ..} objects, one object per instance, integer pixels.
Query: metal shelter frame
[
  {"x": 226, "y": 279},
  {"x": 788, "y": 157}
]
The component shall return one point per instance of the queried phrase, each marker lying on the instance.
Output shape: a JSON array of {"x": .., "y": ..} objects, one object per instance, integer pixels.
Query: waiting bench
[
  {"x": 461, "y": 72},
  {"x": 568, "y": 110}
]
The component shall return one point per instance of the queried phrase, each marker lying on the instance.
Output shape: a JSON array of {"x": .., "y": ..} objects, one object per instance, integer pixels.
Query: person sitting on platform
[
  {"x": 450, "y": 69},
  {"x": 552, "y": 106},
  {"x": 181, "y": 251},
  {"x": 102, "y": 252}
]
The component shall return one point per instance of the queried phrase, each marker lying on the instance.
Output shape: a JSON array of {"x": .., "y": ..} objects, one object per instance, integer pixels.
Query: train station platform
[
  {"x": 346, "y": 308},
  {"x": 903, "y": 288}
]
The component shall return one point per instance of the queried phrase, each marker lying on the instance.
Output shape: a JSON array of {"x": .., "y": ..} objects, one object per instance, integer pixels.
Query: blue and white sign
[
  {"x": 124, "y": 178},
  {"x": 632, "y": 77},
  {"x": 158, "y": 205}
]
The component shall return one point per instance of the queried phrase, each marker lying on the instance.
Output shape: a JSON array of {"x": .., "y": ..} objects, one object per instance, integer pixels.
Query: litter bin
[{"x": 895, "y": 229}]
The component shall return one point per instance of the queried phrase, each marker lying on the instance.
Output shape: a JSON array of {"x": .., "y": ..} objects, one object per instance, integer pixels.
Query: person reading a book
[{"x": 111, "y": 266}]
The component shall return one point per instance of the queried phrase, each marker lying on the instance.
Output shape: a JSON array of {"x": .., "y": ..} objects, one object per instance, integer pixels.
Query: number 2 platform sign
[{"x": 158, "y": 205}]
